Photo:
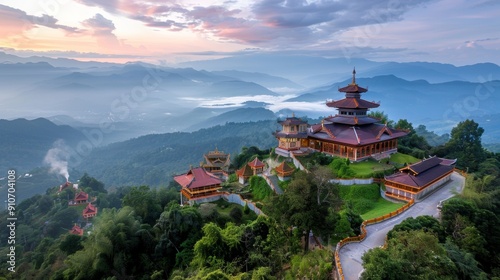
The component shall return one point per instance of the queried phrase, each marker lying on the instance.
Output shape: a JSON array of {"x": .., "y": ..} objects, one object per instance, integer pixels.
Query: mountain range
[{"x": 124, "y": 101}]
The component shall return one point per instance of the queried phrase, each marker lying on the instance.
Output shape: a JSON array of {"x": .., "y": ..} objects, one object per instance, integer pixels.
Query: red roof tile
[
  {"x": 81, "y": 196},
  {"x": 353, "y": 88},
  {"x": 292, "y": 121},
  {"x": 197, "y": 178},
  {"x": 365, "y": 134},
  {"x": 76, "y": 230},
  {"x": 90, "y": 209},
  {"x": 245, "y": 171},
  {"x": 352, "y": 103},
  {"x": 256, "y": 163},
  {"x": 422, "y": 173},
  {"x": 285, "y": 168}
]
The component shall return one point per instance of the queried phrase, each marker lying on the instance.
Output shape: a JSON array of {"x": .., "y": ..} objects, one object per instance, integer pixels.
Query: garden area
[{"x": 366, "y": 201}]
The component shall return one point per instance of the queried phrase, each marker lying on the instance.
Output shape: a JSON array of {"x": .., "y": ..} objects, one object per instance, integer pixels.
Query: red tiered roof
[
  {"x": 256, "y": 163},
  {"x": 81, "y": 196},
  {"x": 352, "y": 103},
  {"x": 76, "y": 230},
  {"x": 89, "y": 211},
  {"x": 197, "y": 178},
  {"x": 346, "y": 134},
  {"x": 245, "y": 171},
  {"x": 284, "y": 168}
]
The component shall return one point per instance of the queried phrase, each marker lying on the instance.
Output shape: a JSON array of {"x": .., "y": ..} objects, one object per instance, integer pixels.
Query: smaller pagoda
[
  {"x": 80, "y": 198},
  {"x": 198, "y": 183},
  {"x": 252, "y": 168},
  {"x": 284, "y": 171},
  {"x": 90, "y": 211},
  {"x": 292, "y": 136},
  {"x": 76, "y": 230},
  {"x": 217, "y": 162}
]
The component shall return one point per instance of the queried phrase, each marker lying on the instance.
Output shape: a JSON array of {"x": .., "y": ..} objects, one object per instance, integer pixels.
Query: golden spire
[{"x": 353, "y": 76}]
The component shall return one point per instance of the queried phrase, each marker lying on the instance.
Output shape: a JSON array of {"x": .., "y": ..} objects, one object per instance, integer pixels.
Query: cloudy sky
[{"x": 451, "y": 31}]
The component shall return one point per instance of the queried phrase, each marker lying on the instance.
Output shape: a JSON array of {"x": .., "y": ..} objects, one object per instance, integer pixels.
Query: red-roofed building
[
  {"x": 351, "y": 133},
  {"x": 416, "y": 180},
  {"x": 198, "y": 183},
  {"x": 252, "y": 168},
  {"x": 76, "y": 230},
  {"x": 284, "y": 171},
  {"x": 81, "y": 197},
  {"x": 244, "y": 174},
  {"x": 89, "y": 211},
  {"x": 257, "y": 166}
]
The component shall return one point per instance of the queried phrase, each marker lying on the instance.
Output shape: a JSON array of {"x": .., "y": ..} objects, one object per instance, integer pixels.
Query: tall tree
[
  {"x": 465, "y": 145},
  {"x": 298, "y": 206},
  {"x": 409, "y": 255}
]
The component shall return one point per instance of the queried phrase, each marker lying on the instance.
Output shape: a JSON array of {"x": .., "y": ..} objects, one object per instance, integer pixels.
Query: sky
[{"x": 459, "y": 32}]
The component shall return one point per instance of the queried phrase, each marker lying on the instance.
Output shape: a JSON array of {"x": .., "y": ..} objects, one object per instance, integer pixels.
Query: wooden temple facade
[
  {"x": 417, "y": 180},
  {"x": 198, "y": 183},
  {"x": 351, "y": 133},
  {"x": 217, "y": 162}
]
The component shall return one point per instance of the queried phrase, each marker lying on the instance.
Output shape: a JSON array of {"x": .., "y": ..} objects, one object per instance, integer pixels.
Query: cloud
[
  {"x": 68, "y": 54},
  {"x": 15, "y": 22},
  {"x": 102, "y": 29},
  {"x": 267, "y": 23}
]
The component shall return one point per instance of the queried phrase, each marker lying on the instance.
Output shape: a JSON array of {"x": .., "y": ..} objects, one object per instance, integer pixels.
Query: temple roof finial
[{"x": 353, "y": 76}]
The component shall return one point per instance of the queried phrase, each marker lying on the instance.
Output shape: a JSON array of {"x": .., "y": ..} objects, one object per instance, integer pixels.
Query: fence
[
  {"x": 362, "y": 236},
  {"x": 232, "y": 198}
]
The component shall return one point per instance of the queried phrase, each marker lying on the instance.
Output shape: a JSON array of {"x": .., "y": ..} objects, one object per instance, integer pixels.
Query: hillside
[
  {"x": 24, "y": 143},
  {"x": 153, "y": 159}
]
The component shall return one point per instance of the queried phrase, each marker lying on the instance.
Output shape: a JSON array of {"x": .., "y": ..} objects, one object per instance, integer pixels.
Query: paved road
[{"x": 350, "y": 254}]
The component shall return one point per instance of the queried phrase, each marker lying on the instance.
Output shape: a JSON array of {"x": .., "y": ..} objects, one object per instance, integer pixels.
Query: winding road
[{"x": 350, "y": 254}]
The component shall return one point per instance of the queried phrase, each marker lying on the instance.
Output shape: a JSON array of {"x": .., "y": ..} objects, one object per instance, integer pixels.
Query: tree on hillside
[
  {"x": 412, "y": 144},
  {"x": 409, "y": 255},
  {"x": 384, "y": 118},
  {"x": 465, "y": 145},
  {"x": 298, "y": 206},
  {"x": 90, "y": 182}
]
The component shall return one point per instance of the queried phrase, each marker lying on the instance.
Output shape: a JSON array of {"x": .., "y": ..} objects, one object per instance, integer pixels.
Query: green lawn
[
  {"x": 366, "y": 200},
  {"x": 367, "y": 167},
  {"x": 381, "y": 208},
  {"x": 402, "y": 158}
]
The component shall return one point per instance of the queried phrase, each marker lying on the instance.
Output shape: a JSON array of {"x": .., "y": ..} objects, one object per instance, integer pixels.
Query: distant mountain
[
  {"x": 271, "y": 82},
  {"x": 56, "y": 62},
  {"x": 239, "y": 115},
  {"x": 294, "y": 67},
  {"x": 154, "y": 159},
  {"x": 437, "y": 72},
  {"x": 236, "y": 88},
  {"x": 24, "y": 143}
]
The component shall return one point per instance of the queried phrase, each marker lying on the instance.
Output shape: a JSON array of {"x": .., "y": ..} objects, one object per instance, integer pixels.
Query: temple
[
  {"x": 284, "y": 171},
  {"x": 198, "y": 183},
  {"x": 416, "y": 180},
  {"x": 351, "y": 133},
  {"x": 77, "y": 230},
  {"x": 89, "y": 211},
  {"x": 80, "y": 198},
  {"x": 252, "y": 168},
  {"x": 217, "y": 163}
]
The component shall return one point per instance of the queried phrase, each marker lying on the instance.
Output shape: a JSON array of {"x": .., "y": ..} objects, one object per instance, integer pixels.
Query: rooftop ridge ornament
[{"x": 354, "y": 76}]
